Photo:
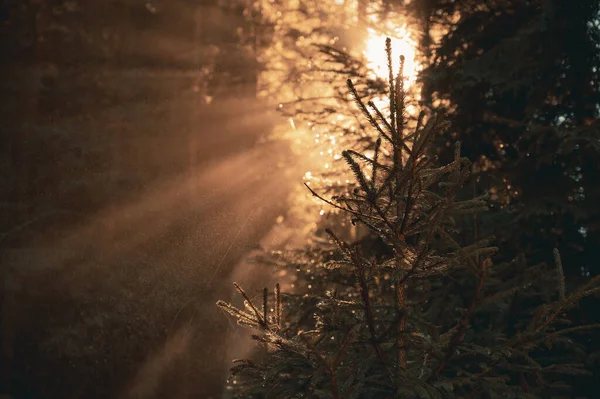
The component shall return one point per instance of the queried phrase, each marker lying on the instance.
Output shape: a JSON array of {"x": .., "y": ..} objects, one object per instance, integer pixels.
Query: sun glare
[
  {"x": 402, "y": 44},
  {"x": 321, "y": 136}
]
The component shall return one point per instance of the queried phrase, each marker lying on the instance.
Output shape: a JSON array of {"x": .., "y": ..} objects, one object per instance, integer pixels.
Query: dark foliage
[{"x": 426, "y": 317}]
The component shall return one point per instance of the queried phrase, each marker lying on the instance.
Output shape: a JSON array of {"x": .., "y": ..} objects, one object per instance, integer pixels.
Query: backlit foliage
[
  {"x": 304, "y": 45},
  {"x": 408, "y": 311}
]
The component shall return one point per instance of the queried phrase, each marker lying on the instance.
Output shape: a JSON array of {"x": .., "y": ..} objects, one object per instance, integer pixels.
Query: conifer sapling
[{"x": 406, "y": 311}]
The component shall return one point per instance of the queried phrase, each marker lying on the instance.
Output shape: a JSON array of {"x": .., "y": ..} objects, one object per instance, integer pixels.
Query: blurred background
[{"x": 132, "y": 184}]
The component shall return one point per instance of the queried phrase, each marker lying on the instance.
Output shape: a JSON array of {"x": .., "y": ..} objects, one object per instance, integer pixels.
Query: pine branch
[
  {"x": 461, "y": 327},
  {"x": 384, "y": 121},
  {"x": 363, "y": 108},
  {"x": 375, "y": 163},
  {"x": 259, "y": 318},
  {"x": 364, "y": 291},
  {"x": 353, "y": 212},
  {"x": 392, "y": 90},
  {"x": 400, "y": 102},
  {"x": 400, "y": 309},
  {"x": 409, "y": 200},
  {"x": 360, "y": 177},
  {"x": 560, "y": 275}
]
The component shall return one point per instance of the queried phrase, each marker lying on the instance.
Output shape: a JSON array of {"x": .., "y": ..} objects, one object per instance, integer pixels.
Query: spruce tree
[
  {"x": 521, "y": 81},
  {"x": 406, "y": 311}
]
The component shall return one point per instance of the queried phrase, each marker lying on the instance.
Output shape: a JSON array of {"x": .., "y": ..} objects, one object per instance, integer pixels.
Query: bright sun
[{"x": 402, "y": 44}]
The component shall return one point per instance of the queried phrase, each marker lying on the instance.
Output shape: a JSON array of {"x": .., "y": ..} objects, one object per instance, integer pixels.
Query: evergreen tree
[
  {"x": 407, "y": 311},
  {"x": 520, "y": 80}
]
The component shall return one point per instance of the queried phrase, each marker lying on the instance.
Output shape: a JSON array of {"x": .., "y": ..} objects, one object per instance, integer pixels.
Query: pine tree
[
  {"x": 406, "y": 311},
  {"x": 521, "y": 80}
]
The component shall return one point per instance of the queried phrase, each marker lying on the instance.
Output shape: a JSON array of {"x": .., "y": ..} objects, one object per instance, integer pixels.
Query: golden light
[
  {"x": 402, "y": 44},
  {"x": 320, "y": 142}
]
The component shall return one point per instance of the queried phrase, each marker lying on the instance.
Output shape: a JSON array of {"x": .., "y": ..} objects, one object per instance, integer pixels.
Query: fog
[{"x": 135, "y": 183}]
